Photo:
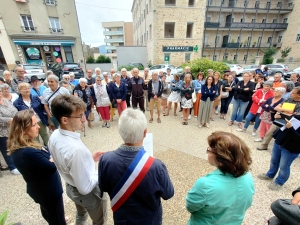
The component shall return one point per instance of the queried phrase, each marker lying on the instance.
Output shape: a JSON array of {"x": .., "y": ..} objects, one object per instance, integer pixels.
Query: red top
[{"x": 257, "y": 97}]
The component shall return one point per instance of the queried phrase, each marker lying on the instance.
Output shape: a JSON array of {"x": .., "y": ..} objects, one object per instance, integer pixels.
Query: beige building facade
[
  {"x": 39, "y": 32},
  {"x": 231, "y": 30},
  {"x": 118, "y": 33}
]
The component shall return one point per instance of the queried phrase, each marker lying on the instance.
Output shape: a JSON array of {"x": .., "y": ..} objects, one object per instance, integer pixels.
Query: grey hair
[
  {"x": 268, "y": 83},
  {"x": 123, "y": 69},
  {"x": 105, "y": 73},
  {"x": 289, "y": 85},
  {"x": 5, "y": 86},
  {"x": 82, "y": 79},
  {"x": 278, "y": 74},
  {"x": 1, "y": 87},
  {"x": 54, "y": 77},
  {"x": 116, "y": 75},
  {"x": 62, "y": 82},
  {"x": 281, "y": 89},
  {"x": 5, "y": 71},
  {"x": 97, "y": 69},
  {"x": 71, "y": 74},
  {"x": 132, "y": 125},
  {"x": 99, "y": 77},
  {"x": 66, "y": 75},
  {"x": 49, "y": 72},
  {"x": 210, "y": 70}
]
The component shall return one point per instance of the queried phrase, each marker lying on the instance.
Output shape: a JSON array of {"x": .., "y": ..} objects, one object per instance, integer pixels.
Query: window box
[
  {"x": 56, "y": 30},
  {"x": 29, "y": 29}
]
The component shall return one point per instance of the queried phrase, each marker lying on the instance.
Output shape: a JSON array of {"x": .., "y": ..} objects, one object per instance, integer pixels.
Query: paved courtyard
[{"x": 182, "y": 149}]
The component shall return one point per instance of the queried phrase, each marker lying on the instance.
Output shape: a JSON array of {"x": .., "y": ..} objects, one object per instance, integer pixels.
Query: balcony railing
[
  {"x": 243, "y": 25},
  {"x": 29, "y": 29},
  {"x": 111, "y": 33},
  {"x": 109, "y": 47},
  {"x": 240, "y": 45},
  {"x": 210, "y": 24},
  {"x": 250, "y": 5},
  {"x": 114, "y": 40},
  {"x": 56, "y": 30}
]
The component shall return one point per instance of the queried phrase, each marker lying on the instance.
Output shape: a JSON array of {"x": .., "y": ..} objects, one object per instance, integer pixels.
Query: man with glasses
[
  {"x": 75, "y": 162},
  {"x": 90, "y": 78},
  {"x": 20, "y": 78}
]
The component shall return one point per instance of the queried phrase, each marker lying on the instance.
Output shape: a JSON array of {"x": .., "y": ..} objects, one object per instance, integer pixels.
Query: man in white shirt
[{"x": 75, "y": 162}]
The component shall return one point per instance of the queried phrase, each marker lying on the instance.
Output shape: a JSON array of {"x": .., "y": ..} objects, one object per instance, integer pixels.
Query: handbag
[
  {"x": 194, "y": 97},
  {"x": 225, "y": 94},
  {"x": 114, "y": 104},
  {"x": 91, "y": 116}
]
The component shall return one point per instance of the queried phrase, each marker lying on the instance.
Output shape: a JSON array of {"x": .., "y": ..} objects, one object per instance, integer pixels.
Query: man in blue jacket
[
  {"x": 141, "y": 202},
  {"x": 155, "y": 89}
]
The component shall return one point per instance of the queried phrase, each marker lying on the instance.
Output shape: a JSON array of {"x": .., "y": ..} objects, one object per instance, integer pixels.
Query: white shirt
[
  {"x": 73, "y": 160},
  {"x": 169, "y": 79}
]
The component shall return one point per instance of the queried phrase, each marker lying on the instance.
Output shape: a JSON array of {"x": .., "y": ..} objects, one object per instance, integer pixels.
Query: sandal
[
  {"x": 3, "y": 168},
  {"x": 231, "y": 123},
  {"x": 175, "y": 114},
  {"x": 158, "y": 120},
  {"x": 212, "y": 119},
  {"x": 240, "y": 125},
  {"x": 151, "y": 120},
  {"x": 166, "y": 114}
]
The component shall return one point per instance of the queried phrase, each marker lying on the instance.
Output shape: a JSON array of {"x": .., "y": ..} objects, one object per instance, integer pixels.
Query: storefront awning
[{"x": 43, "y": 42}]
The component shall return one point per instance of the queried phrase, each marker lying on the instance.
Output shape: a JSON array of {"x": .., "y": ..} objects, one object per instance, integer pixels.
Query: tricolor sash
[{"x": 135, "y": 173}]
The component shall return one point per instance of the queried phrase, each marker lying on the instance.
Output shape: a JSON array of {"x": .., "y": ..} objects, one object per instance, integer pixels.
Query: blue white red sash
[{"x": 135, "y": 173}]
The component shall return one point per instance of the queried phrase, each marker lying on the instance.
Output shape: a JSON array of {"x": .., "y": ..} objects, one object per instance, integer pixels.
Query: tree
[
  {"x": 268, "y": 53},
  {"x": 203, "y": 64},
  {"x": 107, "y": 60},
  {"x": 100, "y": 59},
  {"x": 285, "y": 52},
  {"x": 90, "y": 59}
]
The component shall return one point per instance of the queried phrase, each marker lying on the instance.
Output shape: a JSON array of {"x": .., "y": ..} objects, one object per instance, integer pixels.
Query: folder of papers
[{"x": 288, "y": 106}]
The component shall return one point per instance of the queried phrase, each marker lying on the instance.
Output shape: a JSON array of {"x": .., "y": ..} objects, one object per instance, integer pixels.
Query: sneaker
[
  {"x": 264, "y": 176},
  {"x": 274, "y": 187},
  {"x": 108, "y": 125},
  {"x": 189, "y": 117},
  {"x": 104, "y": 124},
  {"x": 195, "y": 116},
  {"x": 261, "y": 148},
  {"x": 258, "y": 140},
  {"x": 253, "y": 133},
  {"x": 216, "y": 112},
  {"x": 240, "y": 130},
  {"x": 15, "y": 172}
]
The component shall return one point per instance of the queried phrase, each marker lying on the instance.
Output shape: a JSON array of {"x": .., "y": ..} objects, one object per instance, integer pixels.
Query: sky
[{"x": 91, "y": 14}]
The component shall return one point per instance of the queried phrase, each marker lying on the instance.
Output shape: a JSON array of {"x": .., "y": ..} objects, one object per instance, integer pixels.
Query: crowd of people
[{"x": 55, "y": 110}]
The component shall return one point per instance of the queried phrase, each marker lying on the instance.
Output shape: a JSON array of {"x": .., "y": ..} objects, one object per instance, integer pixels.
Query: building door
[
  {"x": 228, "y": 20},
  {"x": 225, "y": 40}
]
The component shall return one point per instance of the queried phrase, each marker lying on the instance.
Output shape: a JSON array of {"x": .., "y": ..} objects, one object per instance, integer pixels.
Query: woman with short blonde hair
[{"x": 187, "y": 90}]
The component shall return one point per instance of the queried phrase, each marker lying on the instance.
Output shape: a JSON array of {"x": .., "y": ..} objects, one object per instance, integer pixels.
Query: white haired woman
[
  {"x": 66, "y": 77},
  {"x": 6, "y": 93},
  {"x": 87, "y": 95},
  {"x": 102, "y": 94},
  {"x": 118, "y": 93},
  {"x": 7, "y": 78}
]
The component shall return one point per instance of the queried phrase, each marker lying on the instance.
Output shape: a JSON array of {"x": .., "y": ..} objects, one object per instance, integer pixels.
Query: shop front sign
[{"x": 178, "y": 48}]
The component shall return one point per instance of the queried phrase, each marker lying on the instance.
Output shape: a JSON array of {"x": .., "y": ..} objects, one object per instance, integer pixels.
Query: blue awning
[{"x": 43, "y": 42}]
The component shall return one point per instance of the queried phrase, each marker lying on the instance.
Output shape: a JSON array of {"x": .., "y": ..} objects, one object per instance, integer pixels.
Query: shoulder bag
[{"x": 225, "y": 94}]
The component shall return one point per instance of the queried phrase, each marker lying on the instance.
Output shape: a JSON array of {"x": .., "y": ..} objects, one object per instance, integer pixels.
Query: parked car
[
  {"x": 249, "y": 68},
  {"x": 235, "y": 67},
  {"x": 32, "y": 70},
  {"x": 288, "y": 74},
  {"x": 72, "y": 67},
  {"x": 278, "y": 68},
  {"x": 162, "y": 67},
  {"x": 136, "y": 64},
  {"x": 179, "y": 70}
]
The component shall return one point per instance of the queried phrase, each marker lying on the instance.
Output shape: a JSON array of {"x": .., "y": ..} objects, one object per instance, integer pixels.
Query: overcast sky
[{"x": 92, "y": 13}]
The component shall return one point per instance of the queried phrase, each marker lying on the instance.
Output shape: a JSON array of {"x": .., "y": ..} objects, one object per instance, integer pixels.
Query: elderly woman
[
  {"x": 7, "y": 79},
  {"x": 113, "y": 105},
  {"x": 66, "y": 77},
  {"x": 187, "y": 89},
  {"x": 208, "y": 91},
  {"x": 258, "y": 99},
  {"x": 36, "y": 166},
  {"x": 102, "y": 94},
  {"x": 87, "y": 95},
  {"x": 118, "y": 93},
  {"x": 219, "y": 84},
  {"x": 224, "y": 195},
  {"x": 268, "y": 113},
  {"x": 7, "y": 112},
  {"x": 198, "y": 84},
  {"x": 45, "y": 83},
  {"x": 289, "y": 86},
  {"x": 7, "y": 94},
  {"x": 175, "y": 94},
  {"x": 28, "y": 101},
  {"x": 165, "y": 94},
  {"x": 242, "y": 95},
  {"x": 72, "y": 80},
  {"x": 98, "y": 72},
  {"x": 228, "y": 86}
]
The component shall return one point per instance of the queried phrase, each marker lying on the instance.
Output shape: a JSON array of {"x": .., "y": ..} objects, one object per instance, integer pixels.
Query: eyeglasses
[
  {"x": 67, "y": 78},
  {"x": 78, "y": 117},
  {"x": 208, "y": 150}
]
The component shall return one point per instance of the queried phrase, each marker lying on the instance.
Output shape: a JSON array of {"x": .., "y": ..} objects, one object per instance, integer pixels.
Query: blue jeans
[
  {"x": 238, "y": 110},
  {"x": 8, "y": 159},
  {"x": 225, "y": 102},
  {"x": 281, "y": 159},
  {"x": 249, "y": 117}
]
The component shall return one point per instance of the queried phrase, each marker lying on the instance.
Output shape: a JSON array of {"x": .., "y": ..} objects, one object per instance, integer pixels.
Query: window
[
  {"x": 279, "y": 4},
  {"x": 235, "y": 57},
  {"x": 27, "y": 22},
  {"x": 120, "y": 28},
  {"x": 290, "y": 4},
  {"x": 279, "y": 39},
  {"x": 54, "y": 25},
  {"x": 274, "y": 20},
  {"x": 68, "y": 54},
  {"x": 169, "y": 29},
  {"x": 242, "y": 20},
  {"x": 189, "y": 30},
  {"x": 187, "y": 57},
  {"x": 269, "y": 40},
  {"x": 50, "y": 2},
  {"x": 217, "y": 39},
  {"x": 149, "y": 4},
  {"x": 298, "y": 38},
  {"x": 170, "y": 2},
  {"x": 268, "y": 5},
  {"x": 239, "y": 39},
  {"x": 144, "y": 12},
  {"x": 285, "y": 20},
  {"x": 215, "y": 58},
  {"x": 225, "y": 56},
  {"x": 191, "y": 3},
  {"x": 256, "y": 4},
  {"x": 208, "y": 18},
  {"x": 147, "y": 36},
  {"x": 258, "y": 41},
  {"x": 245, "y": 57},
  {"x": 264, "y": 21}
]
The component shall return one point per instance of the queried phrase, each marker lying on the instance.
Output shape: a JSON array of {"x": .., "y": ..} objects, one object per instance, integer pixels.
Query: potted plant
[{"x": 232, "y": 40}]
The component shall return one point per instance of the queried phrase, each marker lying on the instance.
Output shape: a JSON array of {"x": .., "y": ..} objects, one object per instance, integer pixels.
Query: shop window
[
  {"x": 68, "y": 54},
  {"x": 55, "y": 25},
  {"x": 50, "y": 2},
  {"x": 169, "y": 29},
  {"x": 27, "y": 23},
  {"x": 33, "y": 54}
]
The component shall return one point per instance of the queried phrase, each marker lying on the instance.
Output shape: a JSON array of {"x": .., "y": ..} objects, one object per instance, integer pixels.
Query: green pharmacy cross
[{"x": 196, "y": 48}]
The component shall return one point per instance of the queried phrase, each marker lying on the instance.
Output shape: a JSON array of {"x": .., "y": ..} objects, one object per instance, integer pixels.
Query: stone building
[
  {"x": 176, "y": 31},
  {"x": 39, "y": 32}
]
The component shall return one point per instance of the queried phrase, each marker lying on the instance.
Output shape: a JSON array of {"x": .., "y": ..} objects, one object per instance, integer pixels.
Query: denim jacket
[
  {"x": 177, "y": 86},
  {"x": 197, "y": 85}
]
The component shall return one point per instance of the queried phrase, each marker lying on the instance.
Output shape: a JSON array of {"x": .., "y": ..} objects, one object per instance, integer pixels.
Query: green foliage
[
  {"x": 101, "y": 59},
  {"x": 3, "y": 218},
  {"x": 229, "y": 61},
  {"x": 107, "y": 60},
  {"x": 268, "y": 53},
  {"x": 149, "y": 64},
  {"x": 203, "y": 64},
  {"x": 285, "y": 52},
  {"x": 267, "y": 60},
  {"x": 129, "y": 68},
  {"x": 90, "y": 59},
  {"x": 252, "y": 60},
  {"x": 280, "y": 60}
]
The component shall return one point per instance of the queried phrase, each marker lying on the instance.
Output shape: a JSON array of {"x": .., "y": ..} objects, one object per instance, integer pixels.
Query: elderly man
[
  {"x": 70, "y": 87},
  {"x": 75, "y": 162},
  {"x": 146, "y": 78},
  {"x": 7, "y": 77},
  {"x": 48, "y": 96},
  {"x": 36, "y": 87},
  {"x": 45, "y": 83},
  {"x": 112, "y": 72},
  {"x": 187, "y": 69},
  {"x": 142, "y": 196},
  {"x": 72, "y": 79},
  {"x": 20, "y": 78},
  {"x": 125, "y": 79},
  {"x": 137, "y": 87},
  {"x": 155, "y": 89},
  {"x": 90, "y": 78},
  {"x": 277, "y": 80},
  {"x": 294, "y": 78},
  {"x": 98, "y": 72}
]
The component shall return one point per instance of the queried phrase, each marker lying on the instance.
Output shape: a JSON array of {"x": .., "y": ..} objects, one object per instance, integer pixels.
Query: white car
[
  {"x": 237, "y": 68},
  {"x": 162, "y": 67},
  {"x": 31, "y": 70}
]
